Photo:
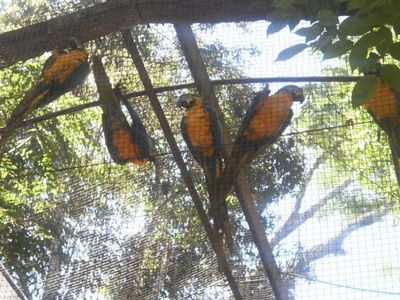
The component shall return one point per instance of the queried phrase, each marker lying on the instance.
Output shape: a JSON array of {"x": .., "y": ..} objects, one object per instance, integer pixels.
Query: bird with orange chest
[
  {"x": 202, "y": 133},
  {"x": 62, "y": 64},
  {"x": 384, "y": 104},
  {"x": 265, "y": 120},
  {"x": 62, "y": 72},
  {"x": 127, "y": 143},
  {"x": 384, "y": 108}
]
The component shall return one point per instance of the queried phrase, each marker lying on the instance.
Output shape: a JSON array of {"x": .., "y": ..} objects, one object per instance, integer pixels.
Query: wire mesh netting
[{"x": 95, "y": 205}]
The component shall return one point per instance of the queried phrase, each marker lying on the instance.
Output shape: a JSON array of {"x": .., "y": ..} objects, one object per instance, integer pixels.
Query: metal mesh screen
[{"x": 76, "y": 225}]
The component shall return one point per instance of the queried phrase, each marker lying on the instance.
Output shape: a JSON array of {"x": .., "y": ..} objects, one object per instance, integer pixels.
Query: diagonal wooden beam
[
  {"x": 196, "y": 64},
  {"x": 12, "y": 284},
  {"x": 134, "y": 53},
  {"x": 114, "y": 15}
]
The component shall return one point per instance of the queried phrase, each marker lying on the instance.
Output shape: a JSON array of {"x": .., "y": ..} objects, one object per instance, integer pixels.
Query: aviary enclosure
[{"x": 272, "y": 187}]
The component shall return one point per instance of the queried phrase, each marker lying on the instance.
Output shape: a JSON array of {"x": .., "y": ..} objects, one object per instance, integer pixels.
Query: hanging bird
[
  {"x": 62, "y": 72},
  {"x": 384, "y": 108},
  {"x": 125, "y": 142},
  {"x": 265, "y": 120},
  {"x": 203, "y": 135}
]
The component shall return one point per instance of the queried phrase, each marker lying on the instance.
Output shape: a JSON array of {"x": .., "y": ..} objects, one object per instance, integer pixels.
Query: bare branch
[
  {"x": 163, "y": 89},
  {"x": 296, "y": 220},
  {"x": 300, "y": 196},
  {"x": 333, "y": 245}
]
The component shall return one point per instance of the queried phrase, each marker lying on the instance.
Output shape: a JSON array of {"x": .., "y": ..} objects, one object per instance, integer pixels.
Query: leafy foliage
[{"x": 368, "y": 34}]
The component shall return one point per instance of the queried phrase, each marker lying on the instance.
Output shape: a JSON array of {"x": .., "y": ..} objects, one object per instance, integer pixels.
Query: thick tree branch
[
  {"x": 296, "y": 220},
  {"x": 114, "y": 15}
]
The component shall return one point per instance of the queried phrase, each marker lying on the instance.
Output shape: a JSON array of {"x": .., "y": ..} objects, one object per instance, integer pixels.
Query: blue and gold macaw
[
  {"x": 203, "y": 135},
  {"x": 125, "y": 142},
  {"x": 265, "y": 120},
  {"x": 62, "y": 72},
  {"x": 384, "y": 108}
]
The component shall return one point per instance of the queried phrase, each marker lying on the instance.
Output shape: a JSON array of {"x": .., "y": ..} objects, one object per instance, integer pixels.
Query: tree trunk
[{"x": 53, "y": 281}]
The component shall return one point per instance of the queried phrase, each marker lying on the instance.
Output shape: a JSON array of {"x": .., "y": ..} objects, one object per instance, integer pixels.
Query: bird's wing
[
  {"x": 217, "y": 138},
  {"x": 49, "y": 63},
  {"x": 140, "y": 136}
]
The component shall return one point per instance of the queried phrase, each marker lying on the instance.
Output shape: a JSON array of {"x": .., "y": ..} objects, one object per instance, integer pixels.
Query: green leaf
[
  {"x": 391, "y": 75},
  {"x": 394, "y": 50},
  {"x": 327, "y": 18},
  {"x": 291, "y": 51},
  {"x": 369, "y": 40},
  {"x": 396, "y": 28},
  {"x": 363, "y": 90},
  {"x": 337, "y": 49},
  {"x": 386, "y": 42},
  {"x": 293, "y": 24},
  {"x": 353, "y": 26},
  {"x": 357, "y": 57},
  {"x": 371, "y": 5},
  {"x": 276, "y": 26},
  {"x": 370, "y": 64},
  {"x": 325, "y": 39},
  {"x": 355, "y": 4},
  {"x": 281, "y": 3},
  {"x": 311, "y": 33}
]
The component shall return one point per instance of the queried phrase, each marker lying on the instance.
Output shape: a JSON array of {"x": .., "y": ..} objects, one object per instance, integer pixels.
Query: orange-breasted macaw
[
  {"x": 265, "y": 120},
  {"x": 62, "y": 72},
  {"x": 203, "y": 135},
  {"x": 384, "y": 108},
  {"x": 125, "y": 142}
]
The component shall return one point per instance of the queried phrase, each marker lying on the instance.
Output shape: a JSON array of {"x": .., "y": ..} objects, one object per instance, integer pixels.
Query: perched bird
[
  {"x": 265, "y": 120},
  {"x": 62, "y": 72},
  {"x": 384, "y": 108},
  {"x": 125, "y": 142},
  {"x": 203, "y": 135}
]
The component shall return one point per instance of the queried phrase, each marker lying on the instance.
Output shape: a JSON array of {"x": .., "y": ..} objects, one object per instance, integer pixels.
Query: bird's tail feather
[
  {"x": 30, "y": 101},
  {"x": 232, "y": 169},
  {"x": 218, "y": 212}
]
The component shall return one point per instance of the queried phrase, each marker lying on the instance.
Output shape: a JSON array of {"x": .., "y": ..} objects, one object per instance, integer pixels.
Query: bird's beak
[
  {"x": 179, "y": 103},
  {"x": 184, "y": 101},
  {"x": 73, "y": 43},
  {"x": 299, "y": 98}
]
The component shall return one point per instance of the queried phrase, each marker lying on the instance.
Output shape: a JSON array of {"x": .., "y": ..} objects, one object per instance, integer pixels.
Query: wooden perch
[
  {"x": 134, "y": 52},
  {"x": 196, "y": 65},
  {"x": 84, "y": 106},
  {"x": 114, "y": 15}
]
